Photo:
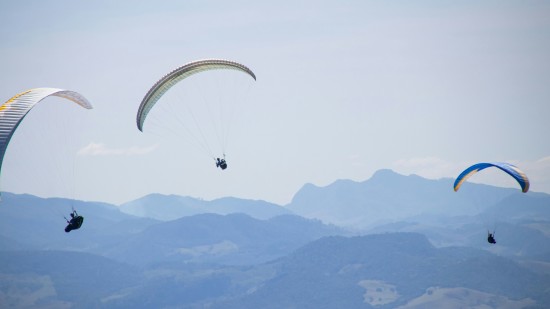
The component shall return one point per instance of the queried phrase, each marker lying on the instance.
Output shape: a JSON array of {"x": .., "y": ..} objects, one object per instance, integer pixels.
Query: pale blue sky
[{"x": 344, "y": 89}]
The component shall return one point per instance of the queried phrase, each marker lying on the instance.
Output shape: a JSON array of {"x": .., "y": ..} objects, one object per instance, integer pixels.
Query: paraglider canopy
[
  {"x": 510, "y": 169},
  {"x": 177, "y": 75},
  {"x": 198, "y": 103},
  {"x": 13, "y": 111}
]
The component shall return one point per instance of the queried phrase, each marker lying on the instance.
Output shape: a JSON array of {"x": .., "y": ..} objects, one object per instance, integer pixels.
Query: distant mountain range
[
  {"x": 397, "y": 270},
  {"x": 171, "y": 207},
  {"x": 392, "y": 241},
  {"x": 37, "y": 223},
  {"x": 390, "y": 197},
  {"x": 394, "y": 270},
  {"x": 57, "y": 279},
  {"x": 30, "y": 222},
  {"x": 384, "y": 198},
  {"x": 234, "y": 239}
]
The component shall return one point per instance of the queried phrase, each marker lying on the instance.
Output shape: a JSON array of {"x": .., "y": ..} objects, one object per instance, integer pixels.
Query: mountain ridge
[
  {"x": 388, "y": 196},
  {"x": 387, "y": 271},
  {"x": 171, "y": 207}
]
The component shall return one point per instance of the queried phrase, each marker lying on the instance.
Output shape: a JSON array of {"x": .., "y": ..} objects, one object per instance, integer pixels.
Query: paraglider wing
[
  {"x": 510, "y": 169},
  {"x": 15, "y": 109},
  {"x": 172, "y": 78}
]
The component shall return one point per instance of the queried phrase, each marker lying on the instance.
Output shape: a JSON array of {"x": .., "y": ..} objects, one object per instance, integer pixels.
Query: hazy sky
[{"x": 344, "y": 88}]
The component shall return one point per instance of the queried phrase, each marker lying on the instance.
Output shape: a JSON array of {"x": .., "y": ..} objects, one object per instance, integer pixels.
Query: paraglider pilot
[
  {"x": 75, "y": 223},
  {"x": 491, "y": 238},
  {"x": 221, "y": 163}
]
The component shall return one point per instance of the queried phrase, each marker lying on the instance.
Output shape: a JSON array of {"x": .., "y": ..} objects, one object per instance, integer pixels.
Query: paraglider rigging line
[
  {"x": 209, "y": 112},
  {"x": 201, "y": 143}
]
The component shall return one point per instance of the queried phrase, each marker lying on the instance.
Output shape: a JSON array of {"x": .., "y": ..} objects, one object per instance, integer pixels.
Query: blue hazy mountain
[
  {"x": 521, "y": 223},
  {"x": 171, "y": 207},
  {"x": 393, "y": 270},
  {"x": 389, "y": 197},
  {"x": 30, "y": 222},
  {"x": 38, "y": 223},
  {"x": 423, "y": 246},
  {"x": 61, "y": 279},
  {"x": 374, "y": 271},
  {"x": 222, "y": 239},
  {"x": 521, "y": 207},
  {"x": 7, "y": 243}
]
